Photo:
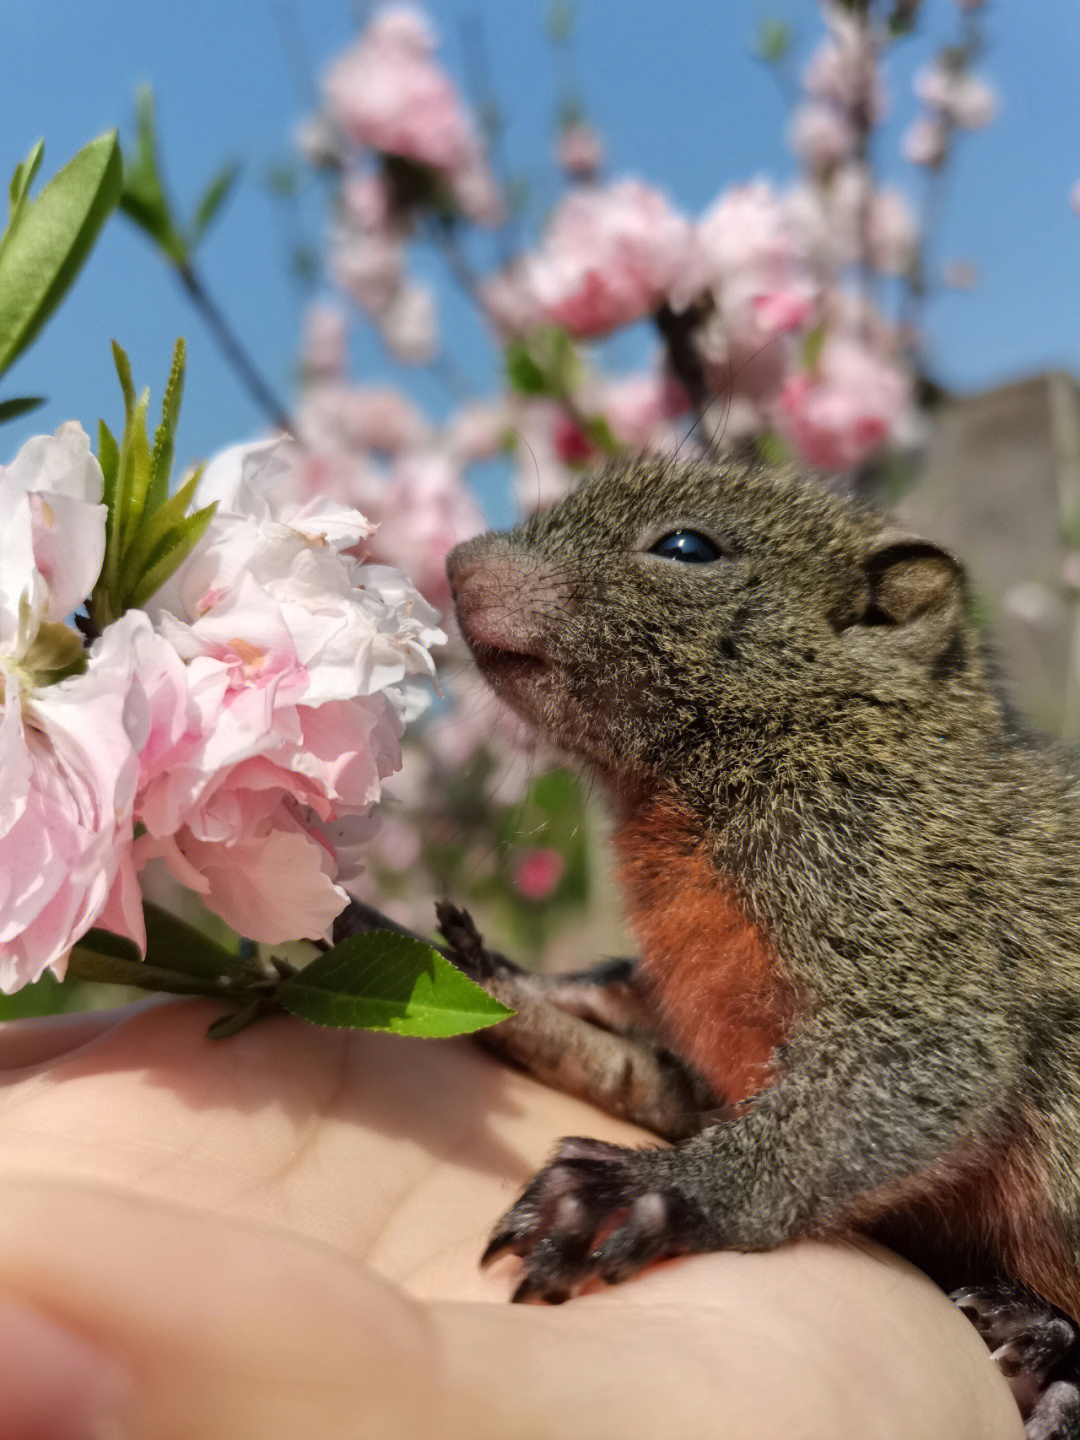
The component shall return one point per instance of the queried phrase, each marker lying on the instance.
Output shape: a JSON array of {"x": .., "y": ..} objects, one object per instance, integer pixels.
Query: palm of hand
[{"x": 277, "y": 1236}]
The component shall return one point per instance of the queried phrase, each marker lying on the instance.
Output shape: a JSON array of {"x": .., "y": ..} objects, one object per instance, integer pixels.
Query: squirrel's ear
[{"x": 913, "y": 588}]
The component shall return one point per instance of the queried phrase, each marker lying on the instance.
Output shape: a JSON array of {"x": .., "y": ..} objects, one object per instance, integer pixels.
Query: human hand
[{"x": 277, "y": 1235}]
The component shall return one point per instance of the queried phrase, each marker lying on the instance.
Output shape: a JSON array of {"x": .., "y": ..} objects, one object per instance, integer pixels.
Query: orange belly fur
[{"x": 720, "y": 991}]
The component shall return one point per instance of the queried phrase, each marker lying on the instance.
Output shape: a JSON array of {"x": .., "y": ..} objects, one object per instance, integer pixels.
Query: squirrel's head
[{"x": 665, "y": 611}]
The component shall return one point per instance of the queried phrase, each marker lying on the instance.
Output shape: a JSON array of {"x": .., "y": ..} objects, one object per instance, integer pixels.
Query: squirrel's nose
[{"x": 464, "y": 561}]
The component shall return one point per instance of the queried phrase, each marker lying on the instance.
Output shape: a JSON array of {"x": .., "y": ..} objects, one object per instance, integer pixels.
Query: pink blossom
[
  {"x": 580, "y": 150},
  {"x": 821, "y": 134},
  {"x": 608, "y": 258},
  {"x": 509, "y": 303},
  {"x": 323, "y": 350},
  {"x": 537, "y": 876},
  {"x": 300, "y": 668},
  {"x": 960, "y": 275},
  {"x": 52, "y": 528},
  {"x": 1074, "y": 197},
  {"x": 409, "y": 324},
  {"x": 361, "y": 418},
  {"x": 925, "y": 141},
  {"x": 844, "y": 70},
  {"x": 747, "y": 248},
  {"x": 477, "y": 431},
  {"x": 428, "y": 511},
  {"x": 640, "y": 409},
  {"x": 369, "y": 265},
  {"x": 388, "y": 94},
  {"x": 69, "y": 765},
  {"x": 892, "y": 232},
  {"x": 839, "y": 414},
  {"x": 965, "y": 99}
]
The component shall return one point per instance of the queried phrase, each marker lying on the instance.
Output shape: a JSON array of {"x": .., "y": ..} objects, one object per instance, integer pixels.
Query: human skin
[{"x": 276, "y": 1235}]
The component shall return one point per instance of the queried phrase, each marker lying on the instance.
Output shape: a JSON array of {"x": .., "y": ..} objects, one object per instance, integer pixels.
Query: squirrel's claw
[
  {"x": 591, "y": 1211},
  {"x": 1037, "y": 1350}
]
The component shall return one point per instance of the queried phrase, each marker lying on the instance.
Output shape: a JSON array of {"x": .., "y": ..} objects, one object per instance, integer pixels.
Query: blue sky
[{"x": 673, "y": 88}]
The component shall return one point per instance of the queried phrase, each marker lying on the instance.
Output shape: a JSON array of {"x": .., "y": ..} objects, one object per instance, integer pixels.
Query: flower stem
[{"x": 245, "y": 368}]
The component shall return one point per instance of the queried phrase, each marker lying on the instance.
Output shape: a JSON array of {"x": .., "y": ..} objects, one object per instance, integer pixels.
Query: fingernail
[{"x": 54, "y": 1383}]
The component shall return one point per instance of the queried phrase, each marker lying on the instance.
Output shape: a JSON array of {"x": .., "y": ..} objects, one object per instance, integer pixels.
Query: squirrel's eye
[{"x": 687, "y": 545}]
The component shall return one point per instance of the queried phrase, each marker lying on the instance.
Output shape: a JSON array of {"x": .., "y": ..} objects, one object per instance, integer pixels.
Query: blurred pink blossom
[
  {"x": 609, "y": 257},
  {"x": 323, "y": 348},
  {"x": 839, "y": 414},
  {"x": 892, "y": 232},
  {"x": 537, "y": 875},
  {"x": 388, "y": 94},
  {"x": 640, "y": 409},
  {"x": 427, "y": 511},
  {"x": 361, "y": 418},
  {"x": 925, "y": 141},
  {"x": 960, "y": 275},
  {"x": 1074, "y": 197},
  {"x": 963, "y": 98},
  {"x": 580, "y": 150},
  {"x": 845, "y": 70},
  {"x": 822, "y": 135},
  {"x": 748, "y": 251},
  {"x": 410, "y": 323}
]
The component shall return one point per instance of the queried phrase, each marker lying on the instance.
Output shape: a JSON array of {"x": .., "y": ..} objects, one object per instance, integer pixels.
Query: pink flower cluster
[
  {"x": 387, "y": 97},
  {"x": 388, "y": 94},
  {"x": 239, "y": 728}
]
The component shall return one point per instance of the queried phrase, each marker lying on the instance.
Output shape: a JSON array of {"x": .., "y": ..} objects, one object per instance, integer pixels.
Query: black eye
[{"x": 687, "y": 545}]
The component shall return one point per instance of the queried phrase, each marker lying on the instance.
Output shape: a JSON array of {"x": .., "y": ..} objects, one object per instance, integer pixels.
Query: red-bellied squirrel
[{"x": 854, "y": 881}]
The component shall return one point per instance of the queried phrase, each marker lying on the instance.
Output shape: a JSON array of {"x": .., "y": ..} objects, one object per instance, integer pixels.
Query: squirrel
[{"x": 855, "y": 882}]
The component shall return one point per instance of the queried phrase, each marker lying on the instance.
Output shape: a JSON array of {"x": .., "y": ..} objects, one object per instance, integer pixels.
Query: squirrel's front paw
[
  {"x": 594, "y": 1209},
  {"x": 1037, "y": 1350}
]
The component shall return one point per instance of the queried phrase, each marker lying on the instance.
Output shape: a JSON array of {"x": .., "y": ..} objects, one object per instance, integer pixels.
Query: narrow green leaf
[
  {"x": 21, "y": 181},
  {"x": 154, "y": 528},
  {"x": 169, "y": 553},
  {"x": 108, "y": 457},
  {"x": 54, "y": 236},
  {"x": 161, "y": 460},
  {"x": 213, "y": 197},
  {"x": 385, "y": 981},
  {"x": 134, "y": 479},
  {"x": 123, "y": 371},
  {"x": 12, "y": 409},
  {"x": 143, "y": 199}
]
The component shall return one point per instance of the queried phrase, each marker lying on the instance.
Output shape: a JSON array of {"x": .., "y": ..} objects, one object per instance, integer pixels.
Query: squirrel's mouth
[{"x": 504, "y": 668}]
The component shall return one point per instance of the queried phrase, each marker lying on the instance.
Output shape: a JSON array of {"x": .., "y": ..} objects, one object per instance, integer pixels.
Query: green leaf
[
  {"x": 170, "y": 553},
  {"x": 385, "y": 981},
  {"x": 24, "y": 176},
  {"x": 134, "y": 478},
  {"x": 600, "y": 433},
  {"x": 12, "y": 409},
  {"x": 213, "y": 197},
  {"x": 773, "y": 43},
  {"x": 161, "y": 461},
  {"x": 155, "y": 527},
  {"x": 54, "y": 234},
  {"x": 143, "y": 199},
  {"x": 813, "y": 344},
  {"x": 108, "y": 457},
  {"x": 522, "y": 371},
  {"x": 560, "y": 21},
  {"x": 127, "y": 385},
  {"x": 179, "y": 959}
]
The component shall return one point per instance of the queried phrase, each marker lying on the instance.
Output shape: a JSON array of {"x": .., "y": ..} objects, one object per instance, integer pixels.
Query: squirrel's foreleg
[{"x": 854, "y": 1119}]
